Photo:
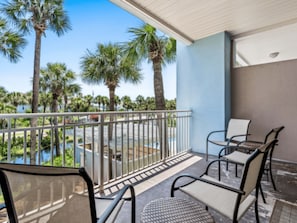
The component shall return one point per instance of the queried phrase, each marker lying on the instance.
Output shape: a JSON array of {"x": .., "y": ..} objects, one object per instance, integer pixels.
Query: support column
[{"x": 203, "y": 85}]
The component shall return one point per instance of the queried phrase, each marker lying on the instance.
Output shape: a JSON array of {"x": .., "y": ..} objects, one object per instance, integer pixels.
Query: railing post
[
  {"x": 165, "y": 137},
  {"x": 9, "y": 141},
  {"x": 101, "y": 154}
]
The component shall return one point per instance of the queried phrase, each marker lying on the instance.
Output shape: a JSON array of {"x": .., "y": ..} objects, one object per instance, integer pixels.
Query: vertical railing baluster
[
  {"x": 122, "y": 149},
  {"x": 128, "y": 143},
  {"x": 138, "y": 141},
  {"x": 52, "y": 145},
  {"x": 133, "y": 144},
  {"x": 101, "y": 155},
  {"x": 64, "y": 145},
  {"x": 9, "y": 140},
  {"x": 39, "y": 147},
  {"x": 84, "y": 145},
  {"x": 74, "y": 145},
  {"x": 93, "y": 153},
  {"x": 108, "y": 151},
  {"x": 25, "y": 146},
  {"x": 115, "y": 147}
]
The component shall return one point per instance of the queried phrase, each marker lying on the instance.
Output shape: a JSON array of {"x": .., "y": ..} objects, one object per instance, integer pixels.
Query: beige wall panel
[{"x": 267, "y": 94}]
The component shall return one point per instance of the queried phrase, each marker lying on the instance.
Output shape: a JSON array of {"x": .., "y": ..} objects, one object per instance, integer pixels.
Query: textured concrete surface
[{"x": 154, "y": 187}]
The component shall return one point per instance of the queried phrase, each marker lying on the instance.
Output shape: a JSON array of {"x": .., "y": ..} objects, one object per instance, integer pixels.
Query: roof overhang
[{"x": 191, "y": 20}]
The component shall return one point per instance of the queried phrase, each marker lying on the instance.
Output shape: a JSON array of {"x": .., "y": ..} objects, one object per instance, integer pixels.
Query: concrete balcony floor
[{"x": 155, "y": 183}]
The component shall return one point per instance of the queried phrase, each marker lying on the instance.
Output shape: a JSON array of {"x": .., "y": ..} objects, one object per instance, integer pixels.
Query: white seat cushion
[
  {"x": 238, "y": 157},
  {"x": 219, "y": 199}
]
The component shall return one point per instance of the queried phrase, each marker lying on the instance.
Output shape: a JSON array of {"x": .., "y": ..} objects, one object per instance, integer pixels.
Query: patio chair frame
[
  {"x": 250, "y": 145},
  {"x": 230, "y": 138},
  {"x": 59, "y": 172},
  {"x": 238, "y": 190}
]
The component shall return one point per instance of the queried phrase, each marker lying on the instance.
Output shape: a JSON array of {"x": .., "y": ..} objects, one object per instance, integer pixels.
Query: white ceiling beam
[{"x": 153, "y": 20}]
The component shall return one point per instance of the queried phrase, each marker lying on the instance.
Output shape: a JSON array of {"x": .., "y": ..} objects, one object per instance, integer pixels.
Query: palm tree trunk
[
  {"x": 43, "y": 122},
  {"x": 160, "y": 104},
  {"x": 158, "y": 85},
  {"x": 111, "y": 108},
  {"x": 56, "y": 130},
  {"x": 35, "y": 93}
]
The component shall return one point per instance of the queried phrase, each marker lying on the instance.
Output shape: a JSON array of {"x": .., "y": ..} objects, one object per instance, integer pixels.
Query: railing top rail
[{"x": 32, "y": 115}]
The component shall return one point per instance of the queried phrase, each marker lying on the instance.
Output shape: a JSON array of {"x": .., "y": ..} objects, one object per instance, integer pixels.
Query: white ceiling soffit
[
  {"x": 269, "y": 46},
  {"x": 190, "y": 20}
]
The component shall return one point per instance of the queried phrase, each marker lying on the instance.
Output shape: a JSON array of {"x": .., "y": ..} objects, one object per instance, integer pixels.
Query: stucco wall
[
  {"x": 267, "y": 94},
  {"x": 203, "y": 85}
]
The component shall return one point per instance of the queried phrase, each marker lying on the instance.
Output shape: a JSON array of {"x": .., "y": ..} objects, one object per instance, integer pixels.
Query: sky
[{"x": 93, "y": 22}]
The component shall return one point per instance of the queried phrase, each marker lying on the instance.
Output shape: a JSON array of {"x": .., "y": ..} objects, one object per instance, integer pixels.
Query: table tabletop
[{"x": 174, "y": 210}]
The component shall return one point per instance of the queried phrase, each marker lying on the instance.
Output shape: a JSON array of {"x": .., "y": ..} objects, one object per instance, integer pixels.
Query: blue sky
[{"x": 93, "y": 22}]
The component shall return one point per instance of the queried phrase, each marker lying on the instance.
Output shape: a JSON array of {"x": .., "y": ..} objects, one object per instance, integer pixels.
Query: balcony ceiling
[{"x": 190, "y": 20}]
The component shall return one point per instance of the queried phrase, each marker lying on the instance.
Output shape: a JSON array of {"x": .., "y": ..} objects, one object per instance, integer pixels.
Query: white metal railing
[{"x": 110, "y": 145}]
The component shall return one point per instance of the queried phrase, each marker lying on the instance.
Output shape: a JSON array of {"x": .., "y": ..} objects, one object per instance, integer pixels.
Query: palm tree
[
  {"x": 10, "y": 42},
  {"x": 150, "y": 103},
  {"x": 37, "y": 15},
  {"x": 108, "y": 66},
  {"x": 117, "y": 101},
  {"x": 54, "y": 78},
  {"x": 78, "y": 104},
  {"x": 147, "y": 45},
  {"x": 140, "y": 103},
  {"x": 126, "y": 102},
  {"x": 170, "y": 104},
  {"x": 70, "y": 90},
  {"x": 105, "y": 103},
  {"x": 44, "y": 100},
  {"x": 15, "y": 99},
  {"x": 3, "y": 94},
  {"x": 89, "y": 99},
  {"x": 98, "y": 100}
]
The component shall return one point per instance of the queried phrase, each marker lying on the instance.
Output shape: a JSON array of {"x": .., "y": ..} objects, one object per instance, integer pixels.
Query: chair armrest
[
  {"x": 218, "y": 131},
  {"x": 116, "y": 200},
  {"x": 223, "y": 186},
  {"x": 234, "y": 148},
  {"x": 250, "y": 144},
  {"x": 250, "y": 141},
  {"x": 235, "y": 136}
]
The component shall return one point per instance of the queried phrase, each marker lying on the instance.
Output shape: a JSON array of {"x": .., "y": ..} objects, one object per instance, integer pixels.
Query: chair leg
[
  {"x": 271, "y": 177},
  {"x": 206, "y": 155},
  {"x": 262, "y": 194},
  {"x": 256, "y": 211},
  {"x": 236, "y": 170},
  {"x": 219, "y": 170}
]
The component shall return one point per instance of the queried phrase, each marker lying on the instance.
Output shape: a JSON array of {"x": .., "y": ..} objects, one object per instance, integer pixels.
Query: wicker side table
[{"x": 174, "y": 210}]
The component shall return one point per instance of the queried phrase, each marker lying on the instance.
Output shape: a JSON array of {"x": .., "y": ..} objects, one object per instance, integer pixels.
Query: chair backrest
[
  {"x": 238, "y": 127},
  {"x": 273, "y": 134},
  {"x": 254, "y": 167},
  {"x": 41, "y": 194}
]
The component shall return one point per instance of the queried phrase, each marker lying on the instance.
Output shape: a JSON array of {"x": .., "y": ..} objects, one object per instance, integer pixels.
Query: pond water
[{"x": 45, "y": 156}]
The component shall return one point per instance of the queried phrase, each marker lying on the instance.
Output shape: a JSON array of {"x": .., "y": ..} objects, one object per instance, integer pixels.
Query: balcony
[
  {"x": 110, "y": 146},
  {"x": 147, "y": 149}
]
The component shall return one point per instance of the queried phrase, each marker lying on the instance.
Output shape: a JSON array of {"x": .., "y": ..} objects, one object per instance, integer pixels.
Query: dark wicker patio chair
[{"x": 56, "y": 194}]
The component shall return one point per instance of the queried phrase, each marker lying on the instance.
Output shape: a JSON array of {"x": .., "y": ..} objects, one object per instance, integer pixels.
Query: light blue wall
[{"x": 203, "y": 85}]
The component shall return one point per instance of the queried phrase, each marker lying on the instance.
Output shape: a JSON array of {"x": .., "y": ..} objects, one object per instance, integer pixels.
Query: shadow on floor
[{"x": 285, "y": 176}]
